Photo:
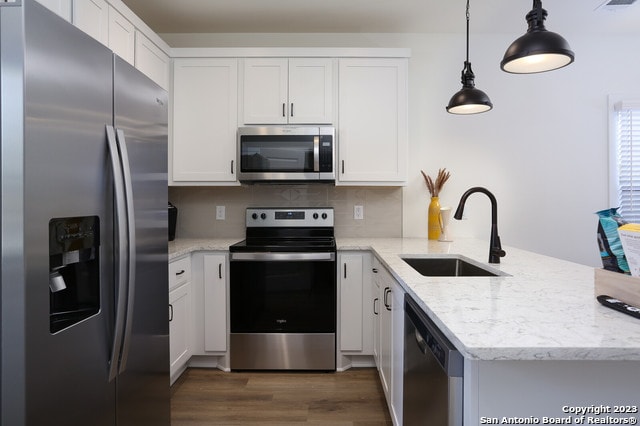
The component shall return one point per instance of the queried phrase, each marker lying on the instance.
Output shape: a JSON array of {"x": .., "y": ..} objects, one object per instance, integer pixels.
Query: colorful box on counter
[{"x": 630, "y": 238}]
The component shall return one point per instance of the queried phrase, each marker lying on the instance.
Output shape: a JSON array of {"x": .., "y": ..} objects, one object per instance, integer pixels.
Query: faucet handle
[{"x": 497, "y": 251}]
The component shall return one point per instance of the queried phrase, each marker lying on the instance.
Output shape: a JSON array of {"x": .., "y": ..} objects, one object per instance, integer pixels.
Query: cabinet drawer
[{"x": 179, "y": 272}]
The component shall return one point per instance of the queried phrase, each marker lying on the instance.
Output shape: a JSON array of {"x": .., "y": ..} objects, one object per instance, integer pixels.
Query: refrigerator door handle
[
  {"x": 121, "y": 252},
  {"x": 131, "y": 282}
]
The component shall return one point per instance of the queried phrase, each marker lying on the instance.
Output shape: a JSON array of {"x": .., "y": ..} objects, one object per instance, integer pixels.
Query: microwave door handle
[{"x": 316, "y": 153}]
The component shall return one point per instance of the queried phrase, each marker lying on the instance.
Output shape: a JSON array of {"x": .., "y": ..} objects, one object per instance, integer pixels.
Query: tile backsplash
[{"x": 197, "y": 208}]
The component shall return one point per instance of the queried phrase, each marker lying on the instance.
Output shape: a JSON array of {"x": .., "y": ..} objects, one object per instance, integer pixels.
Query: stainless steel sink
[{"x": 450, "y": 266}]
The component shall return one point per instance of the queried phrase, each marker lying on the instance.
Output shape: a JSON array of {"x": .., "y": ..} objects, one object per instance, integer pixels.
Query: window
[{"x": 625, "y": 159}]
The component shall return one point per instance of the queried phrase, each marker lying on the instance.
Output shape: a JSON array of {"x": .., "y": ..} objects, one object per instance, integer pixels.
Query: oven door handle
[{"x": 282, "y": 257}]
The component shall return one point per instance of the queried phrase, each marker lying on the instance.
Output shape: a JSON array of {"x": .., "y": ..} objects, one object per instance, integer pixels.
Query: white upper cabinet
[
  {"x": 265, "y": 91},
  {"x": 281, "y": 91},
  {"x": 205, "y": 104},
  {"x": 373, "y": 125},
  {"x": 92, "y": 17},
  {"x": 61, "y": 7},
  {"x": 311, "y": 91},
  {"x": 121, "y": 30},
  {"x": 122, "y": 36},
  {"x": 152, "y": 61}
]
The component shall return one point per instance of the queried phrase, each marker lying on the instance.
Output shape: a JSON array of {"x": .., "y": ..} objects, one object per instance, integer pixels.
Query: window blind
[{"x": 628, "y": 151}]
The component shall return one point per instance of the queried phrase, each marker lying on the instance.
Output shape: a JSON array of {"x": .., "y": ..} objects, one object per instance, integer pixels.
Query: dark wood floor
[{"x": 213, "y": 397}]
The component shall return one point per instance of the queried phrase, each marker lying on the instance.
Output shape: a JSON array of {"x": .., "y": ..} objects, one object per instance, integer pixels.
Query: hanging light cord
[
  {"x": 467, "y": 78},
  {"x": 467, "y": 30}
]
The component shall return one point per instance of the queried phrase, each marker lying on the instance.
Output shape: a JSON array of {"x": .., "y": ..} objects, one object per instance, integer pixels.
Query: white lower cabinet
[
  {"x": 198, "y": 319},
  {"x": 355, "y": 310},
  {"x": 179, "y": 329},
  {"x": 397, "y": 351},
  {"x": 180, "y": 316},
  {"x": 390, "y": 335},
  {"x": 356, "y": 315},
  {"x": 210, "y": 306},
  {"x": 215, "y": 303}
]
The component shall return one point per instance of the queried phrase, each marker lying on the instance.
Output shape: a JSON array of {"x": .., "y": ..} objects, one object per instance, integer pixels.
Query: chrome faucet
[{"x": 495, "y": 248}]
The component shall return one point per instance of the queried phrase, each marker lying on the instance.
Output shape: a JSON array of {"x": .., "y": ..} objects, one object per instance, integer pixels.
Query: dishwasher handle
[{"x": 422, "y": 344}]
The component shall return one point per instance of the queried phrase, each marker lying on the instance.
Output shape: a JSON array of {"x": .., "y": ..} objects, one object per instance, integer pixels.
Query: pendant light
[
  {"x": 469, "y": 100},
  {"x": 538, "y": 50}
]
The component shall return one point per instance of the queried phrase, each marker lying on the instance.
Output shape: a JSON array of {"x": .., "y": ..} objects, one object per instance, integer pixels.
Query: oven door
[
  {"x": 283, "y": 310},
  {"x": 283, "y": 293}
]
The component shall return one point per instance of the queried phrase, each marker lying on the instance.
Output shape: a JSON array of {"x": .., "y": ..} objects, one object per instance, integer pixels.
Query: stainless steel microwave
[{"x": 286, "y": 154}]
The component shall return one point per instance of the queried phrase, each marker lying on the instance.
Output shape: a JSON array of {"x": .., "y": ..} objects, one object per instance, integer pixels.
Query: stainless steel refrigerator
[{"x": 84, "y": 335}]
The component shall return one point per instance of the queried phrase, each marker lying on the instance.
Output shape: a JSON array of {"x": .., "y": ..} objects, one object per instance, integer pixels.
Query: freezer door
[
  {"x": 140, "y": 121},
  {"x": 67, "y": 227}
]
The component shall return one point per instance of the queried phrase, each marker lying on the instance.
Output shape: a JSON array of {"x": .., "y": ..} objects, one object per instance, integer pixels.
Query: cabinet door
[
  {"x": 179, "y": 327},
  {"x": 311, "y": 91},
  {"x": 373, "y": 131},
  {"x": 205, "y": 99},
  {"x": 397, "y": 351},
  {"x": 215, "y": 303},
  {"x": 384, "y": 355},
  {"x": 351, "y": 302},
  {"x": 122, "y": 36},
  {"x": 265, "y": 91},
  {"x": 375, "y": 288},
  {"x": 61, "y": 7},
  {"x": 92, "y": 17},
  {"x": 152, "y": 61}
]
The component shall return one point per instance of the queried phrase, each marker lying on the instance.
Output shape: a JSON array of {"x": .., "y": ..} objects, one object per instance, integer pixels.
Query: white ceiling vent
[{"x": 615, "y": 5}]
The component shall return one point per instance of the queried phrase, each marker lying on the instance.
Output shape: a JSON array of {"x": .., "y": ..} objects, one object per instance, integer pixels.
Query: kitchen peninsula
[{"x": 535, "y": 340}]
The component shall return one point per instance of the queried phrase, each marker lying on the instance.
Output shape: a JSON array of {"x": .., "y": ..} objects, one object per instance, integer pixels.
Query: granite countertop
[
  {"x": 181, "y": 246},
  {"x": 543, "y": 309}
]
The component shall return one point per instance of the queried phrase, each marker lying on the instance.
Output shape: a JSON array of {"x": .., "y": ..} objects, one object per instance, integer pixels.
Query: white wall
[{"x": 542, "y": 150}]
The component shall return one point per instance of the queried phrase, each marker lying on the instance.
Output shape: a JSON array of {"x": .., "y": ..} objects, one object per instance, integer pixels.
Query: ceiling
[{"x": 378, "y": 16}]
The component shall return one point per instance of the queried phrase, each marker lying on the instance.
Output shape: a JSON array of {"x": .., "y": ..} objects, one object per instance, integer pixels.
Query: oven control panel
[{"x": 290, "y": 217}]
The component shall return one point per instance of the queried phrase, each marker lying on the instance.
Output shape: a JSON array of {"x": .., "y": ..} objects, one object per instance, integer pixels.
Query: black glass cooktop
[{"x": 284, "y": 245}]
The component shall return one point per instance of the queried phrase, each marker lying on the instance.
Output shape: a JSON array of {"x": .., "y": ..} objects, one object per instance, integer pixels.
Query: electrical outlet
[
  {"x": 220, "y": 212},
  {"x": 358, "y": 212}
]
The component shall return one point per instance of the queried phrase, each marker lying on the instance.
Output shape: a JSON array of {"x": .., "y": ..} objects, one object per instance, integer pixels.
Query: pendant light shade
[
  {"x": 469, "y": 100},
  {"x": 538, "y": 50}
]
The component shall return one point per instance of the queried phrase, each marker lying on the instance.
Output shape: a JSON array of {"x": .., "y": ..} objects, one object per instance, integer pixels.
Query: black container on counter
[{"x": 173, "y": 217}]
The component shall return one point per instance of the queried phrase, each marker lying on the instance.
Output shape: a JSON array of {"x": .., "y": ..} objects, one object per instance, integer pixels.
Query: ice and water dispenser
[{"x": 74, "y": 270}]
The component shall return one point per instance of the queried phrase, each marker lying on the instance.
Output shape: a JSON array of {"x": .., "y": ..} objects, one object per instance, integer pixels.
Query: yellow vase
[{"x": 434, "y": 219}]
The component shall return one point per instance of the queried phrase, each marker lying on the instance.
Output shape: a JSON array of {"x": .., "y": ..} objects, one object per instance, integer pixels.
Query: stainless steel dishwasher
[{"x": 433, "y": 372}]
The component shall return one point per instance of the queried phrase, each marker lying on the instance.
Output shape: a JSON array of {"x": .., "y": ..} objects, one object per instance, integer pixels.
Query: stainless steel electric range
[{"x": 283, "y": 291}]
